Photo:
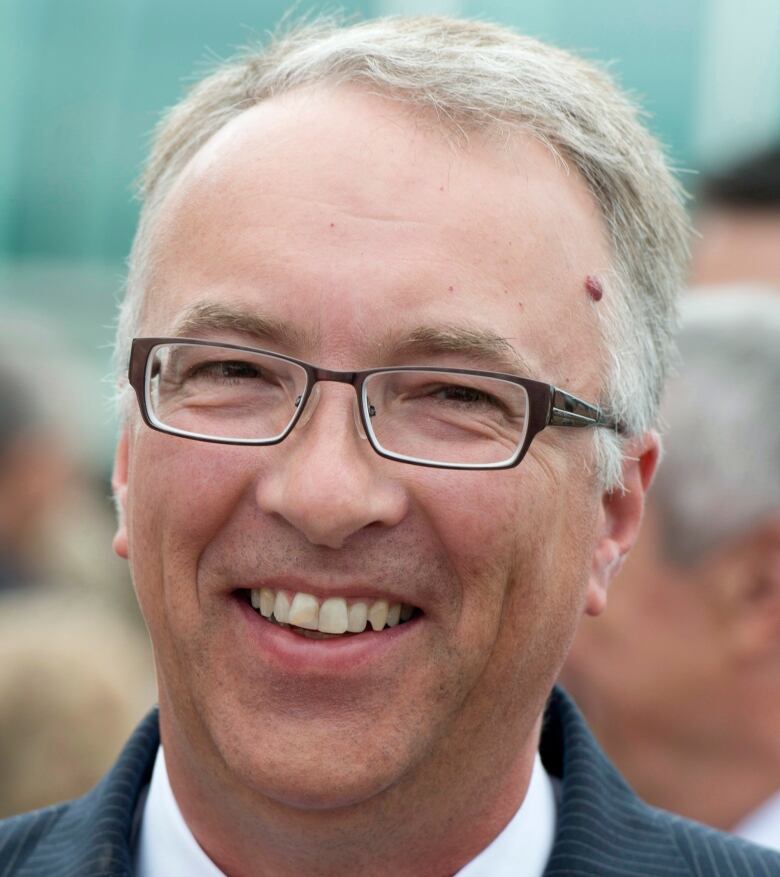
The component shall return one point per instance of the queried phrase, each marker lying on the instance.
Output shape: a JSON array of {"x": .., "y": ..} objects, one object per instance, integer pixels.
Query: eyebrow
[
  {"x": 477, "y": 345},
  {"x": 206, "y": 318}
]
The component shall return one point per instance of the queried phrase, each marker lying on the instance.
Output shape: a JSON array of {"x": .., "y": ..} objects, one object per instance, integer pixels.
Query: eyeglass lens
[
  {"x": 443, "y": 417},
  {"x": 220, "y": 393}
]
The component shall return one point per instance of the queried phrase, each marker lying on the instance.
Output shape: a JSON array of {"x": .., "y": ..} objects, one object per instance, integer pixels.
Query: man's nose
[{"x": 326, "y": 481}]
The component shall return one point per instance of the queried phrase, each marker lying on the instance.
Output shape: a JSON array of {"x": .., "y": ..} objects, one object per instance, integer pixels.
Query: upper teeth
[{"x": 332, "y": 615}]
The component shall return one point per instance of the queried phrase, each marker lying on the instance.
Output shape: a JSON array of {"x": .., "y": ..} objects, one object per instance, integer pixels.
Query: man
[
  {"x": 738, "y": 223},
  {"x": 679, "y": 678},
  {"x": 360, "y": 596}
]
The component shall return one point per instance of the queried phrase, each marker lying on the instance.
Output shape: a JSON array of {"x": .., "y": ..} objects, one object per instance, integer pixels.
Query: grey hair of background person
[
  {"x": 473, "y": 76},
  {"x": 721, "y": 469},
  {"x": 42, "y": 389}
]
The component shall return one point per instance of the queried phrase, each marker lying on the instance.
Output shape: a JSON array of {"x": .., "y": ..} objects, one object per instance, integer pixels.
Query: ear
[
  {"x": 620, "y": 515},
  {"x": 746, "y": 584},
  {"x": 119, "y": 486}
]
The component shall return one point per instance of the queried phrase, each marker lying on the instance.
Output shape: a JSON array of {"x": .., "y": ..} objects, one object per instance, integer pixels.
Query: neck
[{"x": 419, "y": 826}]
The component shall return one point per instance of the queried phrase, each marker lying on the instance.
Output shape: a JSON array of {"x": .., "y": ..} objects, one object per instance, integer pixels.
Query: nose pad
[
  {"x": 311, "y": 405},
  {"x": 358, "y": 419}
]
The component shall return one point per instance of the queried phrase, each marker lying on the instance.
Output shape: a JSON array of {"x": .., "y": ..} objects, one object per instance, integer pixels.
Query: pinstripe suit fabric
[{"x": 603, "y": 829}]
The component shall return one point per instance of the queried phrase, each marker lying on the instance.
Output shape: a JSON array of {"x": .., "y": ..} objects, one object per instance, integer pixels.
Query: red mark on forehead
[
  {"x": 594, "y": 287},
  {"x": 450, "y": 289}
]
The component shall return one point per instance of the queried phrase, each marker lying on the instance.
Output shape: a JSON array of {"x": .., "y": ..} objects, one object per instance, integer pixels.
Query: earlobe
[
  {"x": 620, "y": 516},
  {"x": 119, "y": 487}
]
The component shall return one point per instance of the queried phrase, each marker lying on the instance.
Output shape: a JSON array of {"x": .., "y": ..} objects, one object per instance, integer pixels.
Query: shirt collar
[
  {"x": 762, "y": 826},
  {"x": 167, "y": 848},
  {"x": 524, "y": 846}
]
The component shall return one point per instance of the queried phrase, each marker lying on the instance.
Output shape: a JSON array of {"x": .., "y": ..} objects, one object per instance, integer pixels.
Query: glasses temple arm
[{"x": 568, "y": 410}]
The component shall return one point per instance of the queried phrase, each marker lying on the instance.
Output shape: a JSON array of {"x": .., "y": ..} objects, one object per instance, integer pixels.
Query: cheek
[
  {"x": 516, "y": 541},
  {"x": 488, "y": 527},
  {"x": 180, "y": 493},
  {"x": 500, "y": 524},
  {"x": 475, "y": 517},
  {"x": 553, "y": 546}
]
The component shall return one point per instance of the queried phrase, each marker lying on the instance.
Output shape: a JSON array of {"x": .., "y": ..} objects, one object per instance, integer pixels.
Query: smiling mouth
[{"x": 331, "y": 618}]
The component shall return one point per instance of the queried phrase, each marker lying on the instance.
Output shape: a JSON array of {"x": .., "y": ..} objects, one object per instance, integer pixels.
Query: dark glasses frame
[{"x": 547, "y": 405}]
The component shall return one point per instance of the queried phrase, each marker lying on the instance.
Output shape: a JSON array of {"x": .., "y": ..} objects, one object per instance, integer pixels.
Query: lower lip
[{"x": 292, "y": 651}]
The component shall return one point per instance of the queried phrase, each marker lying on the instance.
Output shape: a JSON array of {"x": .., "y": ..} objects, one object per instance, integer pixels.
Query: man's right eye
[{"x": 224, "y": 370}]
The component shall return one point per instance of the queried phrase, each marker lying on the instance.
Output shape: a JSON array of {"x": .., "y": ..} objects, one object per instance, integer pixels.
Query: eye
[
  {"x": 456, "y": 397},
  {"x": 226, "y": 370},
  {"x": 465, "y": 395}
]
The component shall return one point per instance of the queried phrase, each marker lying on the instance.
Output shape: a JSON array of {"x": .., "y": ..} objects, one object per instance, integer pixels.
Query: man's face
[{"x": 348, "y": 226}]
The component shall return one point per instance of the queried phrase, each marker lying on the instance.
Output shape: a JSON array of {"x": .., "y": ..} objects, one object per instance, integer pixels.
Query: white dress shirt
[
  {"x": 762, "y": 826},
  {"x": 524, "y": 846},
  {"x": 167, "y": 848}
]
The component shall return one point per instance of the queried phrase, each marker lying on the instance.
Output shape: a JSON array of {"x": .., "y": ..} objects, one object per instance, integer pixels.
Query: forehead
[{"x": 347, "y": 217}]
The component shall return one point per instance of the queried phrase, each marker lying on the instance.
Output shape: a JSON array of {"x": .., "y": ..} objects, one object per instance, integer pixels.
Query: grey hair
[
  {"x": 721, "y": 471},
  {"x": 476, "y": 76}
]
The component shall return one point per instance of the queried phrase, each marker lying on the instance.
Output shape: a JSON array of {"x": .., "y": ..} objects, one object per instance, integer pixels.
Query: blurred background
[{"x": 82, "y": 84}]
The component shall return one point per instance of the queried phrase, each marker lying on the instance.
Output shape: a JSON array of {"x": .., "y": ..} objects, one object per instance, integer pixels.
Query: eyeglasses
[{"x": 450, "y": 418}]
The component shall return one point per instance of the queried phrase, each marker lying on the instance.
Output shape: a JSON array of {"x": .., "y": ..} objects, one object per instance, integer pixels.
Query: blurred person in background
[
  {"x": 75, "y": 678},
  {"x": 738, "y": 221},
  {"x": 32, "y": 467},
  {"x": 680, "y": 677},
  {"x": 75, "y": 665},
  {"x": 56, "y": 517}
]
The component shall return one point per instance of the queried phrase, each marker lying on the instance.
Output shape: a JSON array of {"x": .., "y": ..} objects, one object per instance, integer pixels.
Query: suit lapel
[
  {"x": 602, "y": 827},
  {"x": 93, "y": 835}
]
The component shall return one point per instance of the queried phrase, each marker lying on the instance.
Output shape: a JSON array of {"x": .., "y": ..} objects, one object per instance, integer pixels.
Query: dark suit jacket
[{"x": 603, "y": 829}]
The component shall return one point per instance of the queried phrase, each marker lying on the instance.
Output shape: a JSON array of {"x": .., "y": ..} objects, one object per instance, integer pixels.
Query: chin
[
  {"x": 317, "y": 763},
  {"x": 319, "y": 782}
]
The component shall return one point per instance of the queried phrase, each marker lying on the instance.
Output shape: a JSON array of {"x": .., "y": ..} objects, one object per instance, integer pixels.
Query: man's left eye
[{"x": 462, "y": 394}]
